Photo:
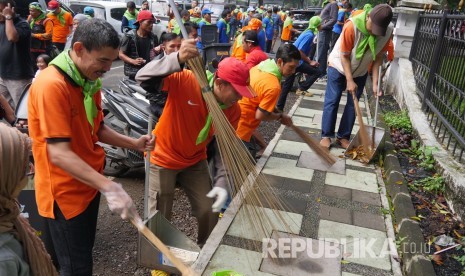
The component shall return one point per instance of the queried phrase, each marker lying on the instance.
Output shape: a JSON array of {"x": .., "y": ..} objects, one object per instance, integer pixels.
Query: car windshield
[
  {"x": 303, "y": 16},
  {"x": 117, "y": 13},
  {"x": 98, "y": 12},
  {"x": 215, "y": 8}
]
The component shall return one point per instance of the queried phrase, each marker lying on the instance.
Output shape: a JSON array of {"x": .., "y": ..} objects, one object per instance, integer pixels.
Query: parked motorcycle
[{"x": 128, "y": 116}]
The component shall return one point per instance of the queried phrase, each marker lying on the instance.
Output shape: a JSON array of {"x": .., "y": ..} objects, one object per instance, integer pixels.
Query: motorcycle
[{"x": 129, "y": 116}]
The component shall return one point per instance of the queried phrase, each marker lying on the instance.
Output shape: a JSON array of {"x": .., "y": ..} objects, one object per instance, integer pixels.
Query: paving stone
[
  {"x": 306, "y": 112},
  {"x": 290, "y": 135},
  {"x": 365, "y": 197},
  {"x": 243, "y": 226},
  {"x": 243, "y": 261},
  {"x": 368, "y": 221},
  {"x": 311, "y": 160},
  {"x": 306, "y": 261},
  {"x": 303, "y": 122},
  {"x": 289, "y": 201},
  {"x": 335, "y": 214},
  {"x": 290, "y": 147},
  {"x": 317, "y": 91},
  {"x": 311, "y": 103},
  {"x": 337, "y": 192},
  {"x": 348, "y": 274},
  {"x": 356, "y": 180},
  {"x": 298, "y": 185},
  {"x": 275, "y": 181},
  {"x": 354, "y": 238},
  {"x": 286, "y": 168}
]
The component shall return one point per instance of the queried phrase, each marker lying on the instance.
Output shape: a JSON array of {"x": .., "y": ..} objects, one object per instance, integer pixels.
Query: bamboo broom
[{"x": 314, "y": 145}]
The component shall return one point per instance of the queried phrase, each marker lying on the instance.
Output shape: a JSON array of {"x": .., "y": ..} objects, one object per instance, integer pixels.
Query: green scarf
[
  {"x": 131, "y": 16},
  {"x": 60, "y": 17},
  {"x": 196, "y": 20},
  {"x": 176, "y": 28},
  {"x": 206, "y": 22},
  {"x": 203, "y": 134},
  {"x": 34, "y": 20},
  {"x": 89, "y": 88},
  {"x": 367, "y": 7},
  {"x": 367, "y": 39},
  {"x": 313, "y": 24},
  {"x": 288, "y": 21},
  {"x": 270, "y": 66},
  {"x": 239, "y": 40},
  {"x": 227, "y": 25}
]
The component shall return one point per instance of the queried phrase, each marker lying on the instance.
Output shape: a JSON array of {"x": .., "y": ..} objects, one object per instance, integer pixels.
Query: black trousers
[{"x": 74, "y": 239}]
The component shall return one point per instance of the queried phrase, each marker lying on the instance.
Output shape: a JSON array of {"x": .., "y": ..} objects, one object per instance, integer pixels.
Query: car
[
  {"x": 112, "y": 12},
  {"x": 301, "y": 18}
]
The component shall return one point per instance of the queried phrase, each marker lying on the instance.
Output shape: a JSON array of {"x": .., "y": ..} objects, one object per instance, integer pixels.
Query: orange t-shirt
[
  {"x": 184, "y": 115},
  {"x": 355, "y": 13},
  {"x": 56, "y": 110},
  {"x": 267, "y": 88},
  {"x": 61, "y": 32},
  {"x": 348, "y": 39},
  {"x": 286, "y": 34}
]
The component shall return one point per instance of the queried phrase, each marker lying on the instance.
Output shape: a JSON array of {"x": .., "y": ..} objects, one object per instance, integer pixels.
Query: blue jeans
[
  {"x": 73, "y": 239},
  {"x": 312, "y": 75},
  {"x": 324, "y": 39},
  {"x": 335, "y": 87}
]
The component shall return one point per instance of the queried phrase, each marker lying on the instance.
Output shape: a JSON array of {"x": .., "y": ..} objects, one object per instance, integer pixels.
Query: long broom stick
[
  {"x": 314, "y": 145},
  {"x": 137, "y": 222},
  {"x": 362, "y": 130},
  {"x": 147, "y": 172}
]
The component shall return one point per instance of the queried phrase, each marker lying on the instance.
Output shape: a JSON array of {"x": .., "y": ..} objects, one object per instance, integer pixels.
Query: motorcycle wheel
[{"x": 114, "y": 168}]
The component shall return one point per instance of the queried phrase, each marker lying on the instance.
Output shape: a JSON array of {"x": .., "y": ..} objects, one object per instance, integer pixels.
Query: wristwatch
[{"x": 8, "y": 17}]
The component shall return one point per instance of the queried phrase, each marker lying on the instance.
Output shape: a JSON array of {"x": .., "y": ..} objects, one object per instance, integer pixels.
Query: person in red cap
[
  {"x": 364, "y": 39},
  {"x": 265, "y": 79},
  {"x": 62, "y": 24},
  {"x": 138, "y": 46},
  {"x": 184, "y": 131}
]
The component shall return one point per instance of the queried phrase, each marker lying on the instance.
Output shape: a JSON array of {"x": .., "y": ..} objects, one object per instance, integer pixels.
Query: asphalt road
[{"x": 111, "y": 78}]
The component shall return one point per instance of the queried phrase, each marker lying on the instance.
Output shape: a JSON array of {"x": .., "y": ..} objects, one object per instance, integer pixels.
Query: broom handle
[
  {"x": 162, "y": 247},
  {"x": 362, "y": 130},
  {"x": 147, "y": 171},
  {"x": 314, "y": 145},
  {"x": 377, "y": 97},
  {"x": 185, "y": 35}
]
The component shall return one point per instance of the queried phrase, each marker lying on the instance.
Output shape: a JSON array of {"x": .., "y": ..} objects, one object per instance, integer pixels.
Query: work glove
[
  {"x": 221, "y": 196},
  {"x": 119, "y": 201}
]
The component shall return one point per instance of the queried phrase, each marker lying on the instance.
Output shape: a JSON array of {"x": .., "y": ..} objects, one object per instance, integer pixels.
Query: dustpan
[{"x": 376, "y": 134}]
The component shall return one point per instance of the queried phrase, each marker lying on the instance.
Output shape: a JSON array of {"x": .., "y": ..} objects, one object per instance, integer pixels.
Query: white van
[{"x": 112, "y": 12}]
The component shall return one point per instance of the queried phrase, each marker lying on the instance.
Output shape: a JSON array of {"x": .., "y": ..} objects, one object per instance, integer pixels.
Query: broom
[
  {"x": 314, "y": 145},
  {"x": 362, "y": 130}
]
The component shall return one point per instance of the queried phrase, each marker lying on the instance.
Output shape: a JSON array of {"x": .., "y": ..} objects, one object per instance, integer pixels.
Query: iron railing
[{"x": 438, "y": 60}]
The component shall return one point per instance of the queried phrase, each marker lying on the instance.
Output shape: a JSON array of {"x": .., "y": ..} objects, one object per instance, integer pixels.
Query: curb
[{"x": 411, "y": 245}]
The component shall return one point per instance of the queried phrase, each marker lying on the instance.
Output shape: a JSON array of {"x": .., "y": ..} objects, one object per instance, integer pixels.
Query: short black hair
[
  {"x": 288, "y": 52},
  {"x": 252, "y": 37},
  {"x": 145, "y": 1},
  {"x": 189, "y": 27},
  {"x": 168, "y": 37},
  {"x": 130, "y": 5},
  {"x": 45, "y": 57},
  {"x": 96, "y": 34},
  {"x": 225, "y": 13},
  {"x": 185, "y": 12},
  {"x": 275, "y": 9}
]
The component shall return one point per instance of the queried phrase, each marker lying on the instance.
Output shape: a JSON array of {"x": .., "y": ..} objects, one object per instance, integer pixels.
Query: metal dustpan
[
  {"x": 375, "y": 134},
  {"x": 179, "y": 244}
]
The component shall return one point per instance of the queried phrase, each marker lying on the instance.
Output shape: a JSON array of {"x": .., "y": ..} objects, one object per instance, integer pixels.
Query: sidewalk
[{"x": 324, "y": 205}]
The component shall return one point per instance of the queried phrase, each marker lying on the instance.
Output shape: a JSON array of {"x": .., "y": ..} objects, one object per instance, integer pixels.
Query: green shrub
[{"x": 398, "y": 120}]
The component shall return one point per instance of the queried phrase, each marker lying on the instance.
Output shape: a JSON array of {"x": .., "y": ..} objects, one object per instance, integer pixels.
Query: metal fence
[{"x": 438, "y": 59}]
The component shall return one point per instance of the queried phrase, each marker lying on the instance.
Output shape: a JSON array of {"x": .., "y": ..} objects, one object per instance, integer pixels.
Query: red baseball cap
[
  {"x": 53, "y": 5},
  {"x": 144, "y": 15},
  {"x": 236, "y": 72}
]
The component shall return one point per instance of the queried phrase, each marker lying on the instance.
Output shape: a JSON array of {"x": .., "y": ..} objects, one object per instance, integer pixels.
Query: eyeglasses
[
  {"x": 30, "y": 169},
  {"x": 248, "y": 40}
]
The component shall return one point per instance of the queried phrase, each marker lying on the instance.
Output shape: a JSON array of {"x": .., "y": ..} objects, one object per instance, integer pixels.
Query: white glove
[
  {"x": 221, "y": 196},
  {"x": 119, "y": 201}
]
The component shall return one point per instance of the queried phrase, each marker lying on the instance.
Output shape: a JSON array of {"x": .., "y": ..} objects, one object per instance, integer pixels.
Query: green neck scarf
[
  {"x": 367, "y": 38},
  {"x": 239, "y": 40},
  {"x": 288, "y": 21},
  {"x": 203, "y": 134},
  {"x": 227, "y": 25},
  {"x": 89, "y": 88},
  {"x": 131, "y": 16},
  {"x": 60, "y": 17},
  {"x": 324, "y": 3},
  {"x": 206, "y": 22},
  {"x": 270, "y": 66},
  {"x": 34, "y": 20}
]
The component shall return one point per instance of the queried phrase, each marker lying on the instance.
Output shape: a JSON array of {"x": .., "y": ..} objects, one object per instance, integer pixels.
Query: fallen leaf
[
  {"x": 345, "y": 262},
  {"x": 457, "y": 234},
  {"x": 443, "y": 212},
  {"x": 365, "y": 207},
  {"x": 318, "y": 199},
  {"x": 400, "y": 182},
  {"x": 411, "y": 171},
  {"x": 416, "y": 218},
  {"x": 437, "y": 259}
]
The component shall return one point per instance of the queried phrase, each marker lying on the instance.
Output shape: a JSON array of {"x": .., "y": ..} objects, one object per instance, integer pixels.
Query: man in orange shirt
[
  {"x": 184, "y": 130},
  {"x": 62, "y": 24},
  {"x": 364, "y": 39},
  {"x": 265, "y": 79},
  {"x": 65, "y": 123},
  {"x": 237, "y": 50},
  {"x": 288, "y": 29}
]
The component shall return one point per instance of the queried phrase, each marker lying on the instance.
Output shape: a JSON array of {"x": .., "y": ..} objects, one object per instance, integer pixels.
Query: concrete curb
[{"x": 412, "y": 245}]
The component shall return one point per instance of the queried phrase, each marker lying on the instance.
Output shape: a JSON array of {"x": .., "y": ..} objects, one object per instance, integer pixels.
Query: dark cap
[{"x": 381, "y": 16}]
